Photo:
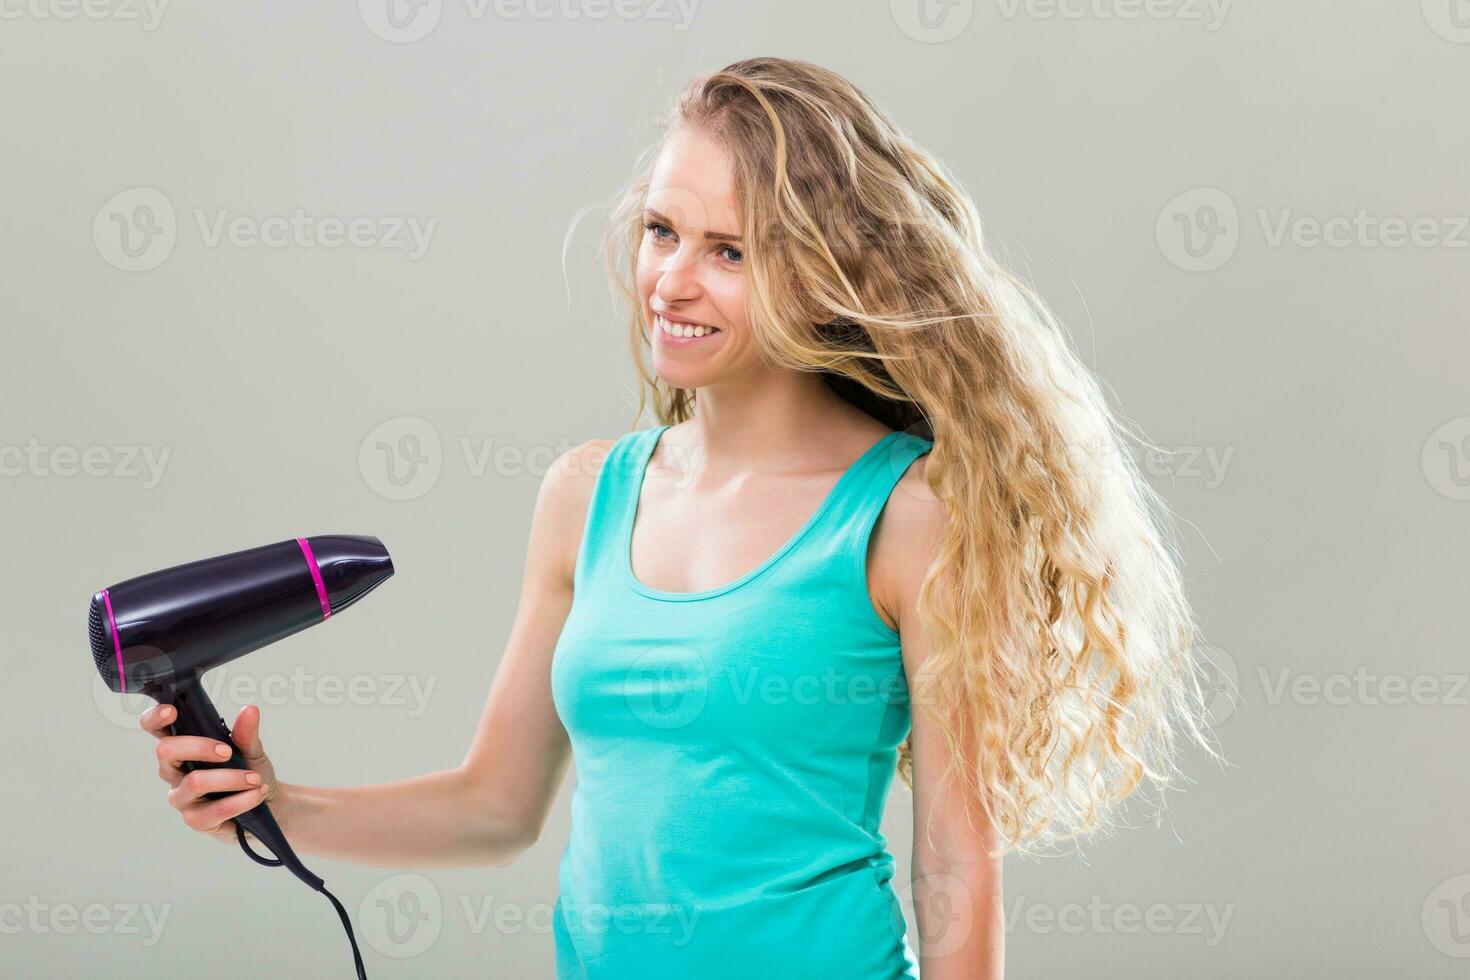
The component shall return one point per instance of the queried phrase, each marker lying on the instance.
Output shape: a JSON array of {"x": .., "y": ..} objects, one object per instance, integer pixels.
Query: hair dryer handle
[{"x": 197, "y": 715}]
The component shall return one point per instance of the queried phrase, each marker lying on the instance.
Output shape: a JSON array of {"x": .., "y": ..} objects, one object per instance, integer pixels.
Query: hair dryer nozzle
[{"x": 351, "y": 566}]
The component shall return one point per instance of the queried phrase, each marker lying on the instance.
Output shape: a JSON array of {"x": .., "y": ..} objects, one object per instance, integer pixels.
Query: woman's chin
[
  {"x": 683, "y": 367},
  {"x": 677, "y": 375}
]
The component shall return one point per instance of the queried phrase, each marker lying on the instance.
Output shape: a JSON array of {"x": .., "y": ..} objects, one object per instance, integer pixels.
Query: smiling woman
[{"x": 815, "y": 298}]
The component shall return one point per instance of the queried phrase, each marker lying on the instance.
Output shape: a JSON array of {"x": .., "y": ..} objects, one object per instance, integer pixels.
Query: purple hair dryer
[{"x": 158, "y": 633}]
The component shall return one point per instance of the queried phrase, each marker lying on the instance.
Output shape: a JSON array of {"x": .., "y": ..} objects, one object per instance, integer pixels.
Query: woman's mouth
[{"x": 671, "y": 330}]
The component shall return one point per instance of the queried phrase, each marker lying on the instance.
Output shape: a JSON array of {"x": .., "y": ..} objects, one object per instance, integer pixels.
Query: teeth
[{"x": 683, "y": 329}]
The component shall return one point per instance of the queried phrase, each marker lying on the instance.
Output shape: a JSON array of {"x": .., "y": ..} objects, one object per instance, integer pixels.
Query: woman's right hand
[{"x": 247, "y": 788}]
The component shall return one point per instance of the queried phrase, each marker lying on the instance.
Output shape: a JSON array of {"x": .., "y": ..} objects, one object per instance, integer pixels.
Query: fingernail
[
  {"x": 223, "y": 751},
  {"x": 252, "y": 778}
]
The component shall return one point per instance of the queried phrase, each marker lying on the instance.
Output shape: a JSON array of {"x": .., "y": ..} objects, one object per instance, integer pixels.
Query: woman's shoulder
[
  {"x": 906, "y": 538},
  {"x": 564, "y": 497},
  {"x": 579, "y": 466}
]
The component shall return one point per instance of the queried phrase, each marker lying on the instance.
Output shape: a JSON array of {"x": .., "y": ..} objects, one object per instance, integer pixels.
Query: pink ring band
[{"x": 316, "y": 577}]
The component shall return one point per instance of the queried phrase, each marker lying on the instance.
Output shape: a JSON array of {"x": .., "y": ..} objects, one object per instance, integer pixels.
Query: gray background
[{"x": 1314, "y": 397}]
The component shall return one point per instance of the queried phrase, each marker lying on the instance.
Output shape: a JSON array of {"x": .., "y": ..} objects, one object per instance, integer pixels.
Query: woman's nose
[{"x": 678, "y": 279}]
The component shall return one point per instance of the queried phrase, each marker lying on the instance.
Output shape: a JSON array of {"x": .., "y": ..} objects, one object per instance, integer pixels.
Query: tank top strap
[
  {"x": 611, "y": 501},
  {"x": 831, "y": 564},
  {"x": 855, "y": 509}
]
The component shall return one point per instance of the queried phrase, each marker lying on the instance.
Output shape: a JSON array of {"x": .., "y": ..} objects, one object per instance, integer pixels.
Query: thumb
[{"x": 246, "y": 734}]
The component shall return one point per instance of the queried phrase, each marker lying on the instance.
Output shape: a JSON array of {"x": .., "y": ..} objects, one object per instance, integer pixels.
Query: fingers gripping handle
[{"x": 197, "y": 715}]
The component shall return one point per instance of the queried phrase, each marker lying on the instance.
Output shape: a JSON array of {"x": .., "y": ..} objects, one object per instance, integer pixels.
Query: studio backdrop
[{"x": 275, "y": 271}]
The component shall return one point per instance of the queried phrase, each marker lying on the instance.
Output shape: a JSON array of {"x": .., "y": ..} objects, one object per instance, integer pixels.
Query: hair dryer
[{"x": 158, "y": 633}]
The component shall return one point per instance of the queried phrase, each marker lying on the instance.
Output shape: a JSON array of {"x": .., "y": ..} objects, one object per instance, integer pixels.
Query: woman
[{"x": 886, "y": 523}]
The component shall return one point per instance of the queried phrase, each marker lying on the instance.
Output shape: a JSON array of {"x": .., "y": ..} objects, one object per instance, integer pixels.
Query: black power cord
[{"x": 341, "y": 912}]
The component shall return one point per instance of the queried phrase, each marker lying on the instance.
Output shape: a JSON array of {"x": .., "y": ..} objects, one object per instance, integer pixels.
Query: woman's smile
[{"x": 681, "y": 333}]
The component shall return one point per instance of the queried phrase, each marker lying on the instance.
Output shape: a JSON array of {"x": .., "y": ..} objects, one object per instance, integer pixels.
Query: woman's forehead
[{"x": 693, "y": 184}]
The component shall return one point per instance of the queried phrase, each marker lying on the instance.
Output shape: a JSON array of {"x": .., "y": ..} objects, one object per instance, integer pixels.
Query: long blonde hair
[{"x": 1062, "y": 667}]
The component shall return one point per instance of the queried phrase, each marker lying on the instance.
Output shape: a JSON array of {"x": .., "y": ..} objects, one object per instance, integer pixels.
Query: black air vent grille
[{"x": 102, "y": 653}]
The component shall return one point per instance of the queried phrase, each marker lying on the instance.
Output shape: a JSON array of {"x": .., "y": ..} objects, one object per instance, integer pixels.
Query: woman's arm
[
  {"x": 957, "y": 891},
  {"x": 493, "y": 805},
  {"x": 425, "y": 821}
]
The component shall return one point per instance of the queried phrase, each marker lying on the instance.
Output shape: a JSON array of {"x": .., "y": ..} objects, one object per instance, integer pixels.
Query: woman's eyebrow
[{"x": 721, "y": 235}]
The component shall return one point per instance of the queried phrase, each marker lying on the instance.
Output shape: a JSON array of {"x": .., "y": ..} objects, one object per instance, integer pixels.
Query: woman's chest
[
  {"x": 688, "y": 541},
  {"x": 788, "y": 665}
]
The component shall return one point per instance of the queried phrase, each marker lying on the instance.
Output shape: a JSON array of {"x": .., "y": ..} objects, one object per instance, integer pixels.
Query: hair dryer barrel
[{"x": 181, "y": 621}]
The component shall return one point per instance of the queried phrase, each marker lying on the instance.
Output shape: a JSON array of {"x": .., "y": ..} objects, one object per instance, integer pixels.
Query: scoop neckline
[{"x": 631, "y": 515}]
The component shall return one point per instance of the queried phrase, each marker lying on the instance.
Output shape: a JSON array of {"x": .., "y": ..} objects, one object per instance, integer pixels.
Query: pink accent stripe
[
  {"x": 316, "y": 576},
  {"x": 122, "y": 679}
]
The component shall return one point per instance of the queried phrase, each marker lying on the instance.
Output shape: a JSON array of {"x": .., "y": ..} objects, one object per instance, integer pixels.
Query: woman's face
[{"x": 691, "y": 265}]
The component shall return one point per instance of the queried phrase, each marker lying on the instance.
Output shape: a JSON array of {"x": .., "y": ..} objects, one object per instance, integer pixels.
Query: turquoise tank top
[{"x": 734, "y": 749}]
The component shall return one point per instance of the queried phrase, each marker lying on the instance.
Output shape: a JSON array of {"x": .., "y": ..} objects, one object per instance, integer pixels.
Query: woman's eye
[{"x": 730, "y": 253}]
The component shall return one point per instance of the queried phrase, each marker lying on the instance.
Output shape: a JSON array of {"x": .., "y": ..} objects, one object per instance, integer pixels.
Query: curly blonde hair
[{"x": 1062, "y": 669}]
